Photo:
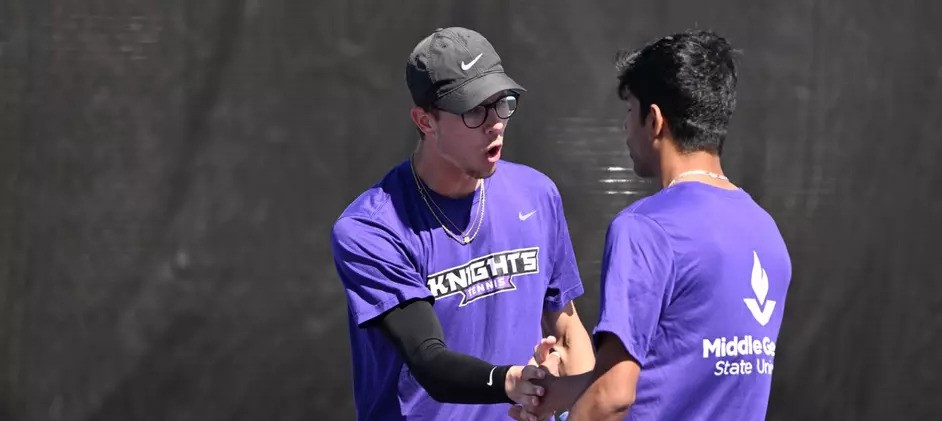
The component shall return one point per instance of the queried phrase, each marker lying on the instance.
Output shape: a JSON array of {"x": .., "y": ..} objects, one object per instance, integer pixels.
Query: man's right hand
[
  {"x": 520, "y": 387},
  {"x": 531, "y": 408}
]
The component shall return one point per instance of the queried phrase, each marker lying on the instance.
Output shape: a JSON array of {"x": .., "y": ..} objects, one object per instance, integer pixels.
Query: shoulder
[
  {"x": 637, "y": 227},
  {"x": 630, "y": 219},
  {"x": 525, "y": 177},
  {"x": 661, "y": 209},
  {"x": 374, "y": 210}
]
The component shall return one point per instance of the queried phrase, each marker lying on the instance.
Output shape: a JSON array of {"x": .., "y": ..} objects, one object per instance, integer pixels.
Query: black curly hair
[{"x": 691, "y": 76}]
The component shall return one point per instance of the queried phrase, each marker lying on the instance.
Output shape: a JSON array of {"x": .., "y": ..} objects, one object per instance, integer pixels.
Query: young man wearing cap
[
  {"x": 694, "y": 278},
  {"x": 455, "y": 262}
]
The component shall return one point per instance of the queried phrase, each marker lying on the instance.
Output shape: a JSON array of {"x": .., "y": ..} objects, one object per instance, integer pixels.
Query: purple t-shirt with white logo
[
  {"x": 693, "y": 284},
  {"x": 489, "y": 294}
]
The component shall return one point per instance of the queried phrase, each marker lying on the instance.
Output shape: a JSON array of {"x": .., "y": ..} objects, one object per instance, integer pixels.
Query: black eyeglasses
[{"x": 503, "y": 107}]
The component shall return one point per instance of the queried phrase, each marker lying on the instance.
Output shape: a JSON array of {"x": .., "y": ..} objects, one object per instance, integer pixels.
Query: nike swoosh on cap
[{"x": 469, "y": 65}]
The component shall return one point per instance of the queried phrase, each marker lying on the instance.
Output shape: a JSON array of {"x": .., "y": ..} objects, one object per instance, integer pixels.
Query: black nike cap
[{"x": 455, "y": 69}]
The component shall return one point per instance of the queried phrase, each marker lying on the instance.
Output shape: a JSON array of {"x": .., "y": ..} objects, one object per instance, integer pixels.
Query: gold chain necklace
[
  {"x": 698, "y": 172},
  {"x": 427, "y": 197},
  {"x": 425, "y": 193}
]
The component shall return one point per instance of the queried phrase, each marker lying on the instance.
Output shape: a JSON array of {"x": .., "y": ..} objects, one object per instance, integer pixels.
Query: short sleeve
[
  {"x": 375, "y": 268},
  {"x": 564, "y": 284},
  {"x": 637, "y": 272}
]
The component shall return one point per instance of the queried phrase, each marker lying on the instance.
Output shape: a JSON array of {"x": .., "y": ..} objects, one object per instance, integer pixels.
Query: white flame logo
[{"x": 759, "y": 307}]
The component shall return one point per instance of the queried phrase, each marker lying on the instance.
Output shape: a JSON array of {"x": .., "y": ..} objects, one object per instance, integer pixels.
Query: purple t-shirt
[
  {"x": 489, "y": 294},
  {"x": 693, "y": 284}
]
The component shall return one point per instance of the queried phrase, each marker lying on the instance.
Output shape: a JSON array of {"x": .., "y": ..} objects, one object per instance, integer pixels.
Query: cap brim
[{"x": 473, "y": 93}]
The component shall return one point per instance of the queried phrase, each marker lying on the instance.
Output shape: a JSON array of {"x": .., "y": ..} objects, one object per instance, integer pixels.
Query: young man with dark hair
[
  {"x": 456, "y": 262},
  {"x": 694, "y": 277}
]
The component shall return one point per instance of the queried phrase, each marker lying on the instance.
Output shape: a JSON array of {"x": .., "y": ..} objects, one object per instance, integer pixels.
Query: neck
[
  {"x": 441, "y": 176},
  {"x": 679, "y": 163}
]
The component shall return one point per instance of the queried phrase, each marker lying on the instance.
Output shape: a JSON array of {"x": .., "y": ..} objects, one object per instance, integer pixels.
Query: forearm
[
  {"x": 446, "y": 375},
  {"x": 572, "y": 340},
  {"x": 575, "y": 352},
  {"x": 562, "y": 392},
  {"x": 612, "y": 392},
  {"x": 593, "y": 406},
  {"x": 453, "y": 377}
]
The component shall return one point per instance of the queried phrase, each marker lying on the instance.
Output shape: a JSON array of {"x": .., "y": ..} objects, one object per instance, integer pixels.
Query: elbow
[
  {"x": 432, "y": 387},
  {"x": 618, "y": 400},
  {"x": 622, "y": 407},
  {"x": 437, "y": 396},
  {"x": 604, "y": 405},
  {"x": 628, "y": 398},
  {"x": 624, "y": 399}
]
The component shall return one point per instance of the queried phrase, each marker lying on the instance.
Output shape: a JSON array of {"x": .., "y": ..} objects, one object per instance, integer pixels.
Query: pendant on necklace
[{"x": 466, "y": 239}]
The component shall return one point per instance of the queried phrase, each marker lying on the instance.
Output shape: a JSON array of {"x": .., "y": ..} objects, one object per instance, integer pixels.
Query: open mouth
[{"x": 493, "y": 153}]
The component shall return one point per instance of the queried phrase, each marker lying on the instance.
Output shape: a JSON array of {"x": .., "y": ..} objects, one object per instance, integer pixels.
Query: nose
[
  {"x": 496, "y": 128},
  {"x": 495, "y": 124}
]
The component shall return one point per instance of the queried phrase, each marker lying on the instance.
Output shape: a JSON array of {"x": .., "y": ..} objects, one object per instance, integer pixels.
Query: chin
[
  {"x": 491, "y": 171},
  {"x": 485, "y": 172}
]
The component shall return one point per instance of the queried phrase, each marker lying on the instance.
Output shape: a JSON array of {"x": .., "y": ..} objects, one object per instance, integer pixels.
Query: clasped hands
[{"x": 528, "y": 386}]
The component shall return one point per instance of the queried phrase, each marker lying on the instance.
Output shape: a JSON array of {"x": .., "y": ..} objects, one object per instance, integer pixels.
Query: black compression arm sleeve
[{"x": 446, "y": 375}]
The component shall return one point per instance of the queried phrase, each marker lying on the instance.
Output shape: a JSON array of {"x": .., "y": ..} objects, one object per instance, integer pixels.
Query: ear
[
  {"x": 423, "y": 120},
  {"x": 655, "y": 122}
]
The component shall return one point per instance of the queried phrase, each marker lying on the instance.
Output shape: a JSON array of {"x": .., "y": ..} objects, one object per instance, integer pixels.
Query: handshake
[{"x": 537, "y": 388}]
